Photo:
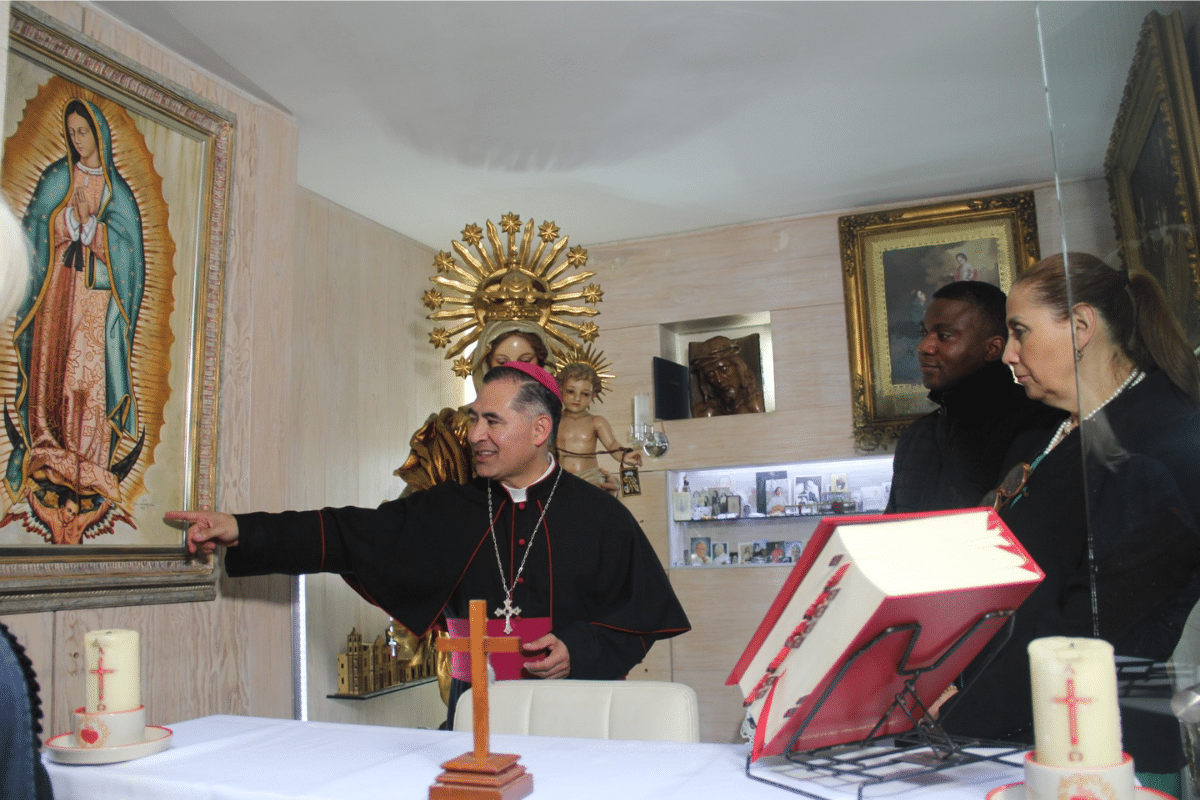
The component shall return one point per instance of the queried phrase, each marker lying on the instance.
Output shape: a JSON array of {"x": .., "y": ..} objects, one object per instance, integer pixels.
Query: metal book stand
[{"x": 924, "y": 750}]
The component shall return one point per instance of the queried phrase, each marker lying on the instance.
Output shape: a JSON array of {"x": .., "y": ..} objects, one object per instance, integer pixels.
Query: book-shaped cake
[{"x": 857, "y": 578}]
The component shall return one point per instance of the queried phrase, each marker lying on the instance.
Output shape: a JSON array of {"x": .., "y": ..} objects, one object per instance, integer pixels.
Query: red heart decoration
[{"x": 89, "y": 735}]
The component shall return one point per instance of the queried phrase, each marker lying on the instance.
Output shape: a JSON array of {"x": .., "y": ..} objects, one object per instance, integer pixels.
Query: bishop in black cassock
[{"x": 567, "y": 550}]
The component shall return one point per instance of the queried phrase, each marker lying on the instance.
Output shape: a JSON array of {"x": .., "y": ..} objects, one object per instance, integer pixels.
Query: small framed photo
[
  {"x": 699, "y": 550},
  {"x": 791, "y": 553},
  {"x": 745, "y": 552},
  {"x": 808, "y": 489},
  {"x": 775, "y": 552},
  {"x": 839, "y": 483},
  {"x": 720, "y": 553},
  {"x": 872, "y": 498},
  {"x": 773, "y": 491}
]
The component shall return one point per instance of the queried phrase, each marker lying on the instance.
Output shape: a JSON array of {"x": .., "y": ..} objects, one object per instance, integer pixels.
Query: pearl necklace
[
  {"x": 508, "y": 611},
  {"x": 88, "y": 172},
  {"x": 1068, "y": 424}
]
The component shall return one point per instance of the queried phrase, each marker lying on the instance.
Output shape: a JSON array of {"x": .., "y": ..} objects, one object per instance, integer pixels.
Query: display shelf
[
  {"x": 763, "y": 515},
  {"x": 400, "y": 687}
]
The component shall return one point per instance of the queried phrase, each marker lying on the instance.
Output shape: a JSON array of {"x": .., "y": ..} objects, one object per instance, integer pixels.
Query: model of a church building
[{"x": 394, "y": 660}]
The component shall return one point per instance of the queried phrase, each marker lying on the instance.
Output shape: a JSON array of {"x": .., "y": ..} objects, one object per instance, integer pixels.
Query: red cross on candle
[
  {"x": 100, "y": 672},
  {"x": 1071, "y": 701}
]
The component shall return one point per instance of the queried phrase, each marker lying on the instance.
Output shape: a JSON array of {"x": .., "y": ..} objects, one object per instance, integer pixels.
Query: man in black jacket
[{"x": 953, "y": 456}]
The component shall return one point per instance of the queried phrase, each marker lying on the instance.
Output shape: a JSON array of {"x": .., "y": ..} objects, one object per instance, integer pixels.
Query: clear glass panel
[{"x": 1113, "y": 505}]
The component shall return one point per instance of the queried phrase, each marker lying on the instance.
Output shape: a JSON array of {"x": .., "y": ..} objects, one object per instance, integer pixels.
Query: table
[{"x": 251, "y": 758}]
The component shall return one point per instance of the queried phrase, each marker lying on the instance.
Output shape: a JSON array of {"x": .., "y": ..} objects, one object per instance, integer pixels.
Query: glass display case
[{"x": 764, "y": 515}]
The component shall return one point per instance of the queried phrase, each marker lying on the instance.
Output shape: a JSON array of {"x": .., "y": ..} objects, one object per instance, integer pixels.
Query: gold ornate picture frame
[
  {"x": 110, "y": 368},
  {"x": 1153, "y": 168},
  {"x": 892, "y": 263}
]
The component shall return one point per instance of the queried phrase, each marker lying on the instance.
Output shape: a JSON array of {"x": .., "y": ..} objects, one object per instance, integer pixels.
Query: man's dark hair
[
  {"x": 985, "y": 297},
  {"x": 532, "y": 397}
]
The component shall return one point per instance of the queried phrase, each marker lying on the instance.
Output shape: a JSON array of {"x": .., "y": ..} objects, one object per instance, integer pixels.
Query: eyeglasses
[{"x": 1011, "y": 489}]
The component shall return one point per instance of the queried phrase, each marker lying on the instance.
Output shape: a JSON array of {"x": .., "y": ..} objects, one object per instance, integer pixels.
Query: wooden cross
[{"x": 478, "y": 645}]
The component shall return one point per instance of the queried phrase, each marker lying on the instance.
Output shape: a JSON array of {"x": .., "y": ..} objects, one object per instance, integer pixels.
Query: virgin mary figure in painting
[{"x": 74, "y": 404}]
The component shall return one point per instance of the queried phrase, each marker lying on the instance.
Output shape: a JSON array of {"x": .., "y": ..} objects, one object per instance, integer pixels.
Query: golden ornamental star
[
  {"x": 510, "y": 223},
  {"x": 432, "y": 299},
  {"x": 462, "y": 366},
  {"x": 592, "y": 294},
  {"x": 548, "y": 232},
  {"x": 577, "y": 256},
  {"x": 588, "y": 331},
  {"x": 443, "y": 261},
  {"x": 439, "y": 338},
  {"x": 472, "y": 234}
]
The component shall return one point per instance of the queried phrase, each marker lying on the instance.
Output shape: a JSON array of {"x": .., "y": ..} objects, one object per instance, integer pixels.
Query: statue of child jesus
[{"x": 579, "y": 431}]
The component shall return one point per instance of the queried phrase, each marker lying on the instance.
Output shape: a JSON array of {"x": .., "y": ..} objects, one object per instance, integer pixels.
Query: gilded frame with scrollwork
[
  {"x": 172, "y": 155},
  {"x": 1153, "y": 168},
  {"x": 892, "y": 263}
]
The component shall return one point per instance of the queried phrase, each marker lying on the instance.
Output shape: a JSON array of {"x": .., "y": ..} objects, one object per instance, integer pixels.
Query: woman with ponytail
[{"x": 1108, "y": 507}]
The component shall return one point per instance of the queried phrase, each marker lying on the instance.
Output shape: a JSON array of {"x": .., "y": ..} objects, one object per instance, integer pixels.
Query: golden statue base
[{"x": 497, "y": 777}]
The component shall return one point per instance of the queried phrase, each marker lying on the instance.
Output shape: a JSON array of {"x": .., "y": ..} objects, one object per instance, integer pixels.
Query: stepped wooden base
[{"x": 497, "y": 777}]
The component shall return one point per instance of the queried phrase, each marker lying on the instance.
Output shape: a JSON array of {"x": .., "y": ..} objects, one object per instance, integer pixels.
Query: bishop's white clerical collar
[{"x": 519, "y": 495}]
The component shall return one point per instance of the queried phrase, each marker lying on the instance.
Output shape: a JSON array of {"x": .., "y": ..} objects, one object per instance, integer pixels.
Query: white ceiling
[{"x": 623, "y": 120}]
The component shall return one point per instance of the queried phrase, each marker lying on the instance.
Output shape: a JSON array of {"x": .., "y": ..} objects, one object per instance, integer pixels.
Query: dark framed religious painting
[
  {"x": 109, "y": 368},
  {"x": 892, "y": 263},
  {"x": 1153, "y": 168}
]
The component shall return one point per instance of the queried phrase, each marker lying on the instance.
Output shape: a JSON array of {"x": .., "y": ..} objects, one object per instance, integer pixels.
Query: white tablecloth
[{"x": 250, "y": 758}]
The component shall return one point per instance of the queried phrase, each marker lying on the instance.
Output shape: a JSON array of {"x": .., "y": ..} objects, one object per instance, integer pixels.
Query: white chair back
[{"x": 643, "y": 710}]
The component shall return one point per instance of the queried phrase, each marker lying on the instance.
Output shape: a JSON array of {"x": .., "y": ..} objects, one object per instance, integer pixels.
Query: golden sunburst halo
[
  {"x": 491, "y": 277},
  {"x": 586, "y": 354}
]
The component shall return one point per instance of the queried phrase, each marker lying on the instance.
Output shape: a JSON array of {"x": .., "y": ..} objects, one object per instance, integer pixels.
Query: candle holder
[
  {"x": 112, "y": 726},
  {"x": 1044, "y": 782},
  {"x": 107, "y": 737}
]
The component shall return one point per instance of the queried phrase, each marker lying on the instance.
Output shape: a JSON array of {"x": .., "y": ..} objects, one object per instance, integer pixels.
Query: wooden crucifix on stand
[{"x": 481, "y": 775}]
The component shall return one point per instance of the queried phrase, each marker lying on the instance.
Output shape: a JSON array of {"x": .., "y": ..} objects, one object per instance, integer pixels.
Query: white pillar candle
[
  {"x": 1076, "y": 721},
  {"x": 113, "y": 660},
  {"x": 641, "y": 410}
]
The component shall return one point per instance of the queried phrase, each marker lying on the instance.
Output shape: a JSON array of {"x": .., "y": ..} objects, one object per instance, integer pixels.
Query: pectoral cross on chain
[{"x": 508, "y": 612}]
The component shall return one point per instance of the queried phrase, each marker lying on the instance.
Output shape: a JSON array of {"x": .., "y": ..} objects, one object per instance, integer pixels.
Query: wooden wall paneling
[
  {"x": 255, "y": 651},
  {"x": 733, "y": 270},
  {"x": 812, "y": 372},
  {"x": 307, "y": 394},
  {"x": 370, "y": 259},
  {"x": 724, "y": 605},
  {"x": 338, "y": 356},
  {"x": 363, "y": 275}
]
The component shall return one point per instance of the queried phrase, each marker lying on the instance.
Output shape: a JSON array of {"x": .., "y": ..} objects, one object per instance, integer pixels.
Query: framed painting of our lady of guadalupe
[{"x": 109, "y": 368}]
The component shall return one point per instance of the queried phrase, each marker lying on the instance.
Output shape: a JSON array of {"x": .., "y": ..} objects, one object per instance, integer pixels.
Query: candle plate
[
  {"x": 62, "y": 749},
  {"x": 1016, "y": 791}
]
